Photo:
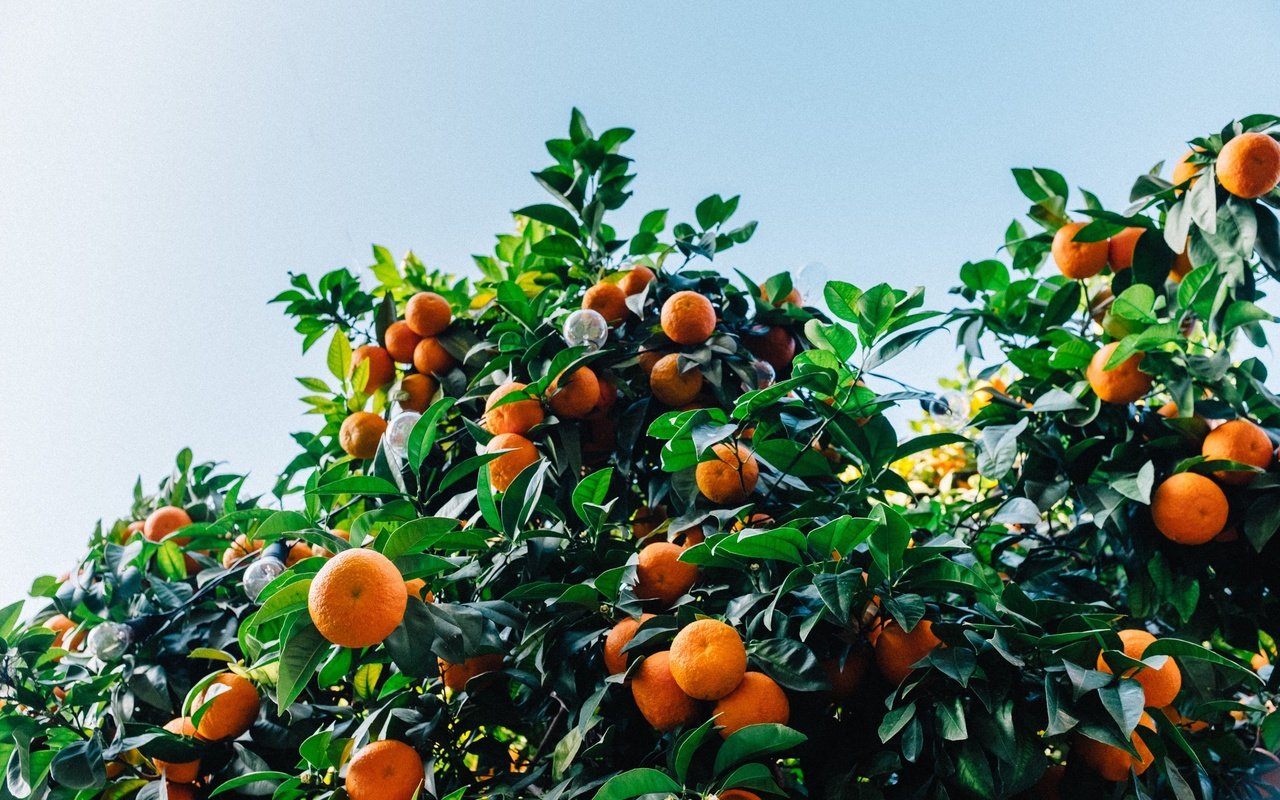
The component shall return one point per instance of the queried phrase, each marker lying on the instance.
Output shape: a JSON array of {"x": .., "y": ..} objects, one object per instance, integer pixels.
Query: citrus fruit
[
  {"x": 1110, "y": 762},
  {"x": 636, "y": 279},
  {"x": 672, "y": 386},
  {"x": 183, "y": 771},
  {"x": 456, "y": 676},
  {"x": 381, "y": 370},
  {"x": 1238, "y": 440},
  {"x": 515, "y": 416},
  {"x": 431, "y": 358},
  {"x": 164, "y": 521},
  {"x": 504, "y": 469},
  {"x": 1120, "y": 248},
  {"x": 233, "y": 706},
  {"x": 1124, "y": 383},
  {"x": 708, "y": 659},
  {"x": 357, "y": 598},
  {"x": 427, "y": 314},
  {"x": 688, "y": 318},
  {"x": 1161, "y": 685},
  {"x": 1184, "y": 172},
  {"x": 658, "y": 697},
  {"x": 730, "y": 477},
  {"x": 1078, "y": 260},
  {"x": 776, "y": 347},
  {"x": 1249, "y": 165},
  {"x": 756, "y": 700},
  {"x": 384, "y": 770},
  {"x": 898, "y": 651},
  {"x": 607, "y": 299},
  {"x": 619, "y": 636},
  {"x": 573, "y": 396},
  {"x": 418, "y": 390},
  {"x": 661, "y": 575},
  {"x": 401, "y": 341},
  {"x": 1189, "y": 508},
  {"x": 360, "y": 434}
]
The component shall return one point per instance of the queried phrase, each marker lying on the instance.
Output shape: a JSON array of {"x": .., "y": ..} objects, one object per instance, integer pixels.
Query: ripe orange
[
  {"x": 729, "y": 478},
  {"x": 688, "y": 318},
  {"x": 233, "y": 707},
  {"x": 608, "y": 396},
  {"x": 1185, "y": 723},
  {"x": 1160, "y": 686},
  {"x": 357, "y": 598},
  {"x": 1189, "y": 508},
  {"x": 1249, "y": 165},
  {"x": 417, "y": 587},
  {"x": 845, "y": 679},
  {"x": 576, "y": 395},
  {"x": 1238, "y": 440},
  {"x": 1124, "y": 383},
  {"x": 757, "y": 700},
  {"x": 456, "y": 676},
  {"x": 619, "y": 636},
  {"x": 427, "y": 314},
  {"x": 1111, "y": 763},
  {"x": 164, "y": 521},
  {"x": 1077, "y": 260},
  {"x": 431, "y": 358},
  {"x": 737, "y": 794},
  {"x": 381, "y": 370},
  {"x": 660, "y": 699},
  {"x": 670, "y": 385},
  {"x": 401, "y": 341},
  {"x": 609, "y": 300},
  {"x": 1185, "y": 172},
  {"x": 1121, "y": 247},
  {"x": 61, "y": 624},
  {"x": 793, "y": 297},
  {"x": 518, "y": 416},
  {"x": 420, "y": 389},
  {"x": 504, "y": 469},
  {"x": 242, "y": 546},
  {"x": 775, "y": 346},
  {"x": 897, "y": 651},
  {"x": 661, "y": 575},
  {"x": 385, "y": 770},
  {"x": 636, "y": 279},
  {"x": 184, "y": 771},
  {"x": 360, "y": 434},
  {"x": 649, "y": 358},
  {"x": 708, "y": 659}
]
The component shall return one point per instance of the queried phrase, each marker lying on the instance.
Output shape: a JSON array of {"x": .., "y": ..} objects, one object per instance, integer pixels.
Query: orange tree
[{"x": 610, "y": 521}]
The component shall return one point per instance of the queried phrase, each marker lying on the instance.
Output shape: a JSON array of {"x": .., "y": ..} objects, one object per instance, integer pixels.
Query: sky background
[{"x": 163, "y": 165}]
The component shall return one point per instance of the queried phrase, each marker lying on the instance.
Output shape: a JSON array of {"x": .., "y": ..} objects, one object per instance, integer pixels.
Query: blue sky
[{"x": 163, "y": 165}]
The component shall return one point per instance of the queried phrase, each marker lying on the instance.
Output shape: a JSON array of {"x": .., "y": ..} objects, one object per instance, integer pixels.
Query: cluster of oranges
[{"x": 414, "y": 340}]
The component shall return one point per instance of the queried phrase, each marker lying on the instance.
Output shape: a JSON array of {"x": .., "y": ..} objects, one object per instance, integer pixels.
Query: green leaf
[
  {"x": 1136, "y": 303},
  {"x": 591, "y": 491},
  {"x": 635, "y": 783},
  {"x": 339, "y": 359},
  {"x": 754, "y": 742},
  {"x": 362, "y": 485},
  {"x": 555, "y": 216},
  {"x": 300, "y": 659},
  {"x": 1166, "y": 646}
]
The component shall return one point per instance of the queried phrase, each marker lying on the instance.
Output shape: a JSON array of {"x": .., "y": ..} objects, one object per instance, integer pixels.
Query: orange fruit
[
  {"x": 517, "y": 416},
  {"x": 609, "y": 300},
  {"x": 775, "y": 346},
  {"x": 1120, "y": 248},
  {"x": 737, "y": 794},
  {"x": 427, "y": 314},
  {"x": 240, "y": 547},
  {"x": 608, "y": 397},
  {"x": 708, "y": 659},
  {"x": 324, "y": 552},
  {"x": 661, "y": 575},
  {"x": 729, "y": 478},
  {"x": 658, "y": 697},
  {"x": 619, "y": 636},
  {"x": 845, "y": 679},
  {"x": 1249, "y": 165},
  {"x": 673, "y": 385},
  {"x": 1187, "y": 724},
  {"x": 233, "y": 706},
  {"x": 1110, "y": 762},
  {"x": 897, "y": 651},
  {"x": 431, "y": 358},
  {"x": 360, "y": 434},
  {"x": 688, "y": 318},
  {"x": 417, "y": 587},
  {"x": 1124, "y": 383},
  {"x": 61, "y": 624},
  {"x": 1238, "y": 440},
  {"x": 1160, "y": 686},
  {"x": 649, "y": 358},
  {"x": 164, "y": 521},
  {"x": 456, "y": 676},
  {"x": 636, "y": 279},
  {"x": 576, "y": 395},
  {"x": 1189, "y": 508},
  {"x": 1185, "y": 172},
  {"x": 357, "y": 598},
  {"x": 670, "y": 385},
  {"x": 1077, "y": 260},
  {"x": 504, "y": 469},
  {"x": 385, "y": 770},
  {"x": 793, "y": 297},
  {"x": 381, "y": 370},
  {"x": 184, "y": 771},
  {"x": 419, "y": 389},
  {"x": 757, "y": 700},
  {"x": 401, "y": 341},
  {"x": 1259, "y": 660}
]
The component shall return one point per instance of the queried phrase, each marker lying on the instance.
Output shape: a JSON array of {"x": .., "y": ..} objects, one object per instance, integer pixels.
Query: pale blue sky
[{"x": 162, "y": 165}]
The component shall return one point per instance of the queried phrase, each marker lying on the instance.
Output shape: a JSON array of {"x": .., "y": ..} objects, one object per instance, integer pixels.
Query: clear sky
[{"x": 162, "y": 165}]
